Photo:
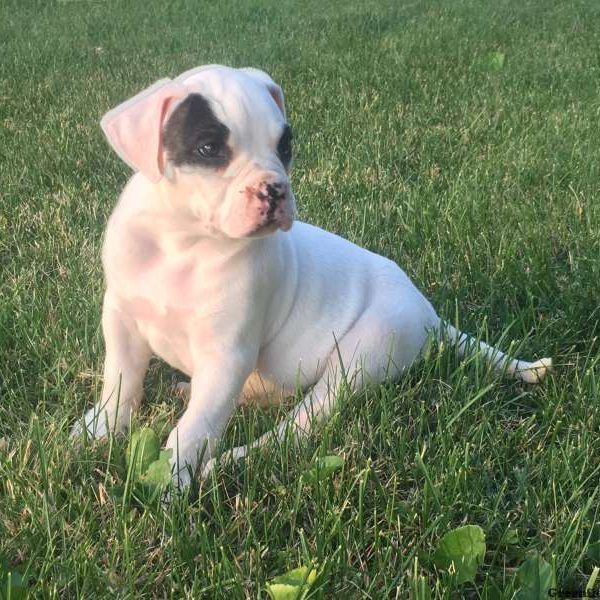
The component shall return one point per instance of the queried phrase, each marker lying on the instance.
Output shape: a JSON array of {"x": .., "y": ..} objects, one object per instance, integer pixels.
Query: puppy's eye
[
  {"x": 284, "y": 147},
  {"x": 208, "y": 150},
  {"x": 285, "y": 151}
]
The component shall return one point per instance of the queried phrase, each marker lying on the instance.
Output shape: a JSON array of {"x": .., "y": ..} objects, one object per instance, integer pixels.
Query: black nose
[{"x": 275, "y": 191}]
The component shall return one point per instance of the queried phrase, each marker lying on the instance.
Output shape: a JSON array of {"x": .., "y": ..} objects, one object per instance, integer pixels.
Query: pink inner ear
[
  {"x": 134, "y": 128},
  {"x": 277, "y": 95}
]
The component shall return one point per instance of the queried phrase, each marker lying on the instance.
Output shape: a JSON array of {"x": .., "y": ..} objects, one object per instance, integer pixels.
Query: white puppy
[{"x": 204, "y": 269}]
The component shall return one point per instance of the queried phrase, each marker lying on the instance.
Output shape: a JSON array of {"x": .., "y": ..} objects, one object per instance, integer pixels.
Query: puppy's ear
[
  {"x": 134, "y": 128},
  {"x": 273, "y": 88}
]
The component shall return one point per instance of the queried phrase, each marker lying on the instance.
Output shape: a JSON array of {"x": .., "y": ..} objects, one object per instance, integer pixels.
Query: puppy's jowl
[{"x": 204, "y": 269}]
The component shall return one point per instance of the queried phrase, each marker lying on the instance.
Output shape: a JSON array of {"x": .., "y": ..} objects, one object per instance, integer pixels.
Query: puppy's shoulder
[
  {"x": 126, "y": 232},
  {"x": 137, "y": 196}
]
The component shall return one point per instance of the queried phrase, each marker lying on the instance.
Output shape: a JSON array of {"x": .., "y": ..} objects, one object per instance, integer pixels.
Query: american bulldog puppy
[{"x": 204, "y": 269}]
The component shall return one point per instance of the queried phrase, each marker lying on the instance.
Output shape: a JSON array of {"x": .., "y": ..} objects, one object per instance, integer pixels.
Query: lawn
[{"x": 460, "y": 138}]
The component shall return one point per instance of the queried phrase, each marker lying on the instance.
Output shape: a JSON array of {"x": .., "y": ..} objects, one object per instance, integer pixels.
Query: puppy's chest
[{"x": 165, "y": 289}]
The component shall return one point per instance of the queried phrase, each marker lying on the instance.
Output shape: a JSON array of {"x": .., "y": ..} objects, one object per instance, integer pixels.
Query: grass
[{"x": 480, "y": 176}]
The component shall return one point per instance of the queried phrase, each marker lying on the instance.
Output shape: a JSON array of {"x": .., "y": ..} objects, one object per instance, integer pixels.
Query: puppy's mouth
[
  {"x": 270, "y": 227},
  {"x": 285, "y": 224}
]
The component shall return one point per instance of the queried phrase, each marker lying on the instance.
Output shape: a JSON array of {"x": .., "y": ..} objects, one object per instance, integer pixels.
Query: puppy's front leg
[
  {"x": 216, "y": 385},
  {"x": 126, "y": 362}
]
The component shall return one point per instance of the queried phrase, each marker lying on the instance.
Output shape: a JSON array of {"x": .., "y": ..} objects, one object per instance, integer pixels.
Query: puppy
[{"x": 204, "y": 269}]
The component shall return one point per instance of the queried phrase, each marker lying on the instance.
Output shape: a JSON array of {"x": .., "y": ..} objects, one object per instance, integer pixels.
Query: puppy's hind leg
[
  {"x": 126, "y": 362},
  {"x": 375, "y": 349}
]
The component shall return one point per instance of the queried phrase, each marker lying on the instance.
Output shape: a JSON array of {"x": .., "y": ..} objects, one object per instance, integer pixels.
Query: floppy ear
[
  {"x": 273, "y": 88},
  {"x": 134, "y": 128}
]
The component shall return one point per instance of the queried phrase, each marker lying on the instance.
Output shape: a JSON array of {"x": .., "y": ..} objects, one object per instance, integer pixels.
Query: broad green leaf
[
  {"x": 324, "y": 467},
  {"x": 155, "y": 480},
  {"x": 158, "y": 473},
  {"x": 143, "y": 449},
  {"x": 292, "y": 585},
  {"x": 461, "y": 550},
  {"x": 535, "y": 577},
  {"x": 283, "y": 591}
]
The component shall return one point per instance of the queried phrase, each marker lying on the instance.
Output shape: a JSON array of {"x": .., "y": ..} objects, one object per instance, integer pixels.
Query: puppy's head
[{"x": 218, "y": 139}]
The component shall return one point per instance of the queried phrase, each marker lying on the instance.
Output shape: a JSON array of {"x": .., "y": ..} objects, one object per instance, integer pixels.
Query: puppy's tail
[{"x": 530, "y": 372}]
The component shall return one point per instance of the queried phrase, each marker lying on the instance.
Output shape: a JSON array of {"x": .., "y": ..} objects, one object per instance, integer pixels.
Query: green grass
[{"x": 480, "y": 179}]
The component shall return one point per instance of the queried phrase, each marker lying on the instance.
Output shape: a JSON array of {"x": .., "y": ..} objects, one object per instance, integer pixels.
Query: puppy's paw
[
  {"x": 535, "y": 372},
  {"x": 76, "y": 431},
  {"x": 181, "y": 480},
  {"x": 86, "y": 427},
  {"x": 94, "y": 425},
  {"x": 231, "y": 456},
  {"x": 208, "y": 468}
]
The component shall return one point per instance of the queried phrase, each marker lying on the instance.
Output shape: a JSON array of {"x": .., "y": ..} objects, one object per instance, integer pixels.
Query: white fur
[{"x": 303, "y": 307}]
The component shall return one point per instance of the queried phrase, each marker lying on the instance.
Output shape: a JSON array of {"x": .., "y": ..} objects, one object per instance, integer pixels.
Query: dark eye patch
[
  {"x": 194, "y": 136},
  {"x": 284, "y": 146}
]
